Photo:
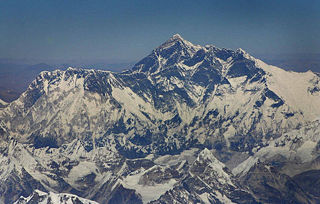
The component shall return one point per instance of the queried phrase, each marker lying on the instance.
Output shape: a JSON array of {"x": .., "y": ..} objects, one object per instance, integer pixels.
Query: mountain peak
[
  {"x": 177, "y": 39},
  {"x": 206, "y": 154},
  {"x": 172, "y": 51},
  {"x": 240, "y": 50},
  {"x": 177, "y": 36}
]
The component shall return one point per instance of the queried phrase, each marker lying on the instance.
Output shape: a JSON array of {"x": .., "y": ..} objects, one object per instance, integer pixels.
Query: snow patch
[{"x": 148, "y": 193}]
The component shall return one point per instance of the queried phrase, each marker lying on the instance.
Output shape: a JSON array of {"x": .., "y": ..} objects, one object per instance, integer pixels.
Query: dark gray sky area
[{"x": 127, "y": 30}]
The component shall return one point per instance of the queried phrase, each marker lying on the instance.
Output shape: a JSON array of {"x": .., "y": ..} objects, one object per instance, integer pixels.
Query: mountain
[
  {"x": 16, "y": 77},
  {"x": 3, "y": 104},
  {"x": 47, "y": 198},
  {"x": 188, "y": 123}
]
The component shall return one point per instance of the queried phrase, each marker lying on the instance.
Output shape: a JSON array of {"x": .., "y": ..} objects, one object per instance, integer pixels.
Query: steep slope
[
  {"x": 271, "y": 186},
  {"x": 207, "y": 181},
  {"x": 68, "y": 169},
  {"x": 309, "y": 181},
  {"x": 121, "y": 127},
  {"x": 294, "y": 152}
]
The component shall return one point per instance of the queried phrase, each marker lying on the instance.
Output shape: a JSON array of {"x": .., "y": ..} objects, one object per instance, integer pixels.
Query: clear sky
[{"x": 129, "y": 30}]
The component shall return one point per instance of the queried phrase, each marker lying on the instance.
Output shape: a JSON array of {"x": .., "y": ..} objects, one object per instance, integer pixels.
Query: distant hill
[{"x": 301, "y": 63}]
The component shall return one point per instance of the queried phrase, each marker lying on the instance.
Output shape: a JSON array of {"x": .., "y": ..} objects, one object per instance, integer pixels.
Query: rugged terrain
[{"x": 187, "y": 123}]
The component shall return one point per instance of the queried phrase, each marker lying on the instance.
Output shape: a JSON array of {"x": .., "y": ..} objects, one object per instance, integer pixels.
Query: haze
[{"x": 126, "y": 31}]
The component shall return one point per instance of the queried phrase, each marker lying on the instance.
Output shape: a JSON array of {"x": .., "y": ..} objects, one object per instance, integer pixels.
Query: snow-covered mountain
[
  {"x": 184, "y": 124},
  {"x": 47, "y": 198}
]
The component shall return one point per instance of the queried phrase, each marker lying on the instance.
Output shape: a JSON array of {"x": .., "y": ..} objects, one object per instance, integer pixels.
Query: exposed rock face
[
  {"x": 309, "y": 182},
  {"x": 270, "y": 186},
  {"x": 186, "y": 124}
]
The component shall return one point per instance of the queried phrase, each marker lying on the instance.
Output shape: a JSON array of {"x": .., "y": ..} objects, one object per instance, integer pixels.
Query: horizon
[
  {"x": 126, "y": 30},
  {"x": 287, "y": 61},
  {"x": 142, "y": 101}
]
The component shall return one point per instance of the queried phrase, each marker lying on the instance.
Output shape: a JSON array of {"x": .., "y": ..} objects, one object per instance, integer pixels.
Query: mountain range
[{"x": 187, "y": 124}]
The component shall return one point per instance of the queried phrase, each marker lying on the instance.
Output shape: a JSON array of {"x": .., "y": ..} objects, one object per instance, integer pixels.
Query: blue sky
[{"x": 129, "y": 30}]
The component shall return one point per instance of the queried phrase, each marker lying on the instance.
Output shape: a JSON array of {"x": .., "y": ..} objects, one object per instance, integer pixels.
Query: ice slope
[{"x": 297, "y": 89}]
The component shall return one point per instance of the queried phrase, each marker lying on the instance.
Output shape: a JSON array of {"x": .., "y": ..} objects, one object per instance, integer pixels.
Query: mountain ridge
[{"x": 182, "y": 100}]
